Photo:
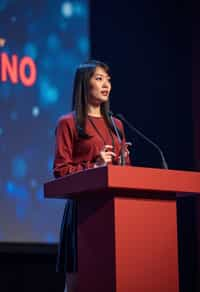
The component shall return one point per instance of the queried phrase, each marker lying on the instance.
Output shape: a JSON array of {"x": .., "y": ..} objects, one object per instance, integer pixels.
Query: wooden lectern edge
[
  {"x": 67, "y": 185},
  {"x": 184, "y": 183},
  {"x": 114, "y": 180},
  {"x": 112, "y": 192}
]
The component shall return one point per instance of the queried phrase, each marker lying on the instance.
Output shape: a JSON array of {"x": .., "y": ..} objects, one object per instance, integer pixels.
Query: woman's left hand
[{"x": 125, "y": 148}]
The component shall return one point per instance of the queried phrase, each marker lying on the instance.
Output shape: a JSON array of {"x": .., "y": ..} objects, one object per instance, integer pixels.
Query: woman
[{"x": 86, "y": 138}]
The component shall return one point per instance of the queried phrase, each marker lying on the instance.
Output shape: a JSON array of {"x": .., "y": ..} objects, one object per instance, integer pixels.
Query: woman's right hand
[{"x": 106, "y": 156}]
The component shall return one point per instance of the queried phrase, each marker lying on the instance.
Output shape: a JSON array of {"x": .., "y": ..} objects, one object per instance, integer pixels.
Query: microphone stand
[
  {"x": 164, "y": 163},
  {"x": 122, "y": 154}
]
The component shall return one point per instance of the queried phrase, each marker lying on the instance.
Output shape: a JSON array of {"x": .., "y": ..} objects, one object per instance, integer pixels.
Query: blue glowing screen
[{"x": 41, "y": 43}]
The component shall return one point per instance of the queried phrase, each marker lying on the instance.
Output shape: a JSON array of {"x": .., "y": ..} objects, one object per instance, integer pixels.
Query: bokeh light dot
[
  {"x": 83, "y": 45},
  {"x": 35, "y": 111},
  {"x": 31, "y": 50},
  {"x": 79, "y": 9},
  {"x": 50, "y": 164},
  {"x": 40, "y": 194},
  {"x": 33, "y": 183},
  {"x": 13, "y": 19},
  {"x": 19, "y": 167},
  {"x": 53, "y": 42},
  {"x": 48, "y": 93},
  {"x": 50, "y": 237},
  {"x": 9, "y": 187},
  {"x": 67, "y": 9}
]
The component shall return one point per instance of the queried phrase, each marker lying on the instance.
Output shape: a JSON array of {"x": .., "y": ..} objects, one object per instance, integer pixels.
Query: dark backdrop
[{"x": 148, "y": 46}]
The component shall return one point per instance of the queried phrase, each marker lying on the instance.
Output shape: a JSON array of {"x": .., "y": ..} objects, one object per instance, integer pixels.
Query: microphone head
[
  {"x": 120, "y": 116},
  {"x": 110, "y": 113}
]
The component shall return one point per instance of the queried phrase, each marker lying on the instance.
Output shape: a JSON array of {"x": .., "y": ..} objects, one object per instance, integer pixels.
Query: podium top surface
[{"x": 124, "y": 179}]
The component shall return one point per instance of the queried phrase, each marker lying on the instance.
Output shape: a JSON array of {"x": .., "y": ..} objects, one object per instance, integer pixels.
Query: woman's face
[{"x": 99, "y": 87}]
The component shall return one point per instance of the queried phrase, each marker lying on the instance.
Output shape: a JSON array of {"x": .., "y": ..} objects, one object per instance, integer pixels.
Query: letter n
[{"x": 9, "y": 68}]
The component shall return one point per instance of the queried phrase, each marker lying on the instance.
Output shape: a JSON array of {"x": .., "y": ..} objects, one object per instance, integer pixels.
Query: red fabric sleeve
[{"x": 65, "y": 137}]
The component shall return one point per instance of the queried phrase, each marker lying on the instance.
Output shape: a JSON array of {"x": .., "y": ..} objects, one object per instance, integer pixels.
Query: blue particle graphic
[
  {"x": 54, "y": 36},
  {"x": 67, "y": 9},
  {"x": 48, "y": 93},
  {"x": 40, "y": 194},
  {"x": 83, "y": 45},
  {"x": 33, "y": 183},
  {"x": 19, "y": 167},
  {"x": 50, "y": 237},
  {"x": 53, "y": 42},
  {"x": 79, "y": 9},
  {"x": 10, "y": 187},
  {"x": 13, "y": 19},
  {"x": 47, "y": 63},
  {"x": 51, "y": 133},
  {"x": 30, "y": 50},
  {"x": 18, "y": 192},
  {"x": 50, "y": 164},
  {"x": 35, "y": 111}
]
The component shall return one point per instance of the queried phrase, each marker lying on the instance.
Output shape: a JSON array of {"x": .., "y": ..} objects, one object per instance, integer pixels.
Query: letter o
[{"x": 27, "y": 80}]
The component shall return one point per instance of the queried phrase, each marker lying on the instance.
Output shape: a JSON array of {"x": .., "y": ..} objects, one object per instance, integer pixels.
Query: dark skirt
[{"x": 67, "y": 250}]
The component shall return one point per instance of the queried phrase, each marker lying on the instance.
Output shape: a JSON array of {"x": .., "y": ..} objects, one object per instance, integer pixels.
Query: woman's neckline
[{"x": 95, "y": 117}]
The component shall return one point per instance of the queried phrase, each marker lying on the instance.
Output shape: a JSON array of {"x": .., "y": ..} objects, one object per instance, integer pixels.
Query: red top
[{"x": 74, "y": 153}]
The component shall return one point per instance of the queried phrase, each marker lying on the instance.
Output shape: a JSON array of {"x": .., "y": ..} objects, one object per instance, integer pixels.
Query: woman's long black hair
[{"x": 81, "y": 93}]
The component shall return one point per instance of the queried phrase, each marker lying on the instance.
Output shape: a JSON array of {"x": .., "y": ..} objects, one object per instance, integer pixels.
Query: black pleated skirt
[{"x": 67, "y": 261}]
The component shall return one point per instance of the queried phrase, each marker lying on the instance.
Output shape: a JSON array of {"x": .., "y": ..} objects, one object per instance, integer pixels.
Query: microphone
[
  {"x": 122, "y": 154},
  {"x": 133, "y": 129}
]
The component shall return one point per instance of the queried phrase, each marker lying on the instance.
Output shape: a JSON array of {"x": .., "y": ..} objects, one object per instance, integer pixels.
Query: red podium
[{"x": 127, "y": 226}]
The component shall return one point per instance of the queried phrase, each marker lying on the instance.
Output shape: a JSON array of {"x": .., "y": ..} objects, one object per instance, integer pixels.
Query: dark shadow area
[
  {"x": 29, "y": 271},
  {"x": 187, "y": 235}
]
